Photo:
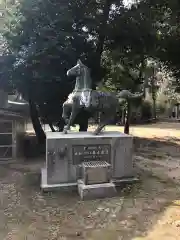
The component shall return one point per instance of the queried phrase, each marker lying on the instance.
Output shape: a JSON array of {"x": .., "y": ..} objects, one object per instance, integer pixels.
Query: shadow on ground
[{"x": 159, "y": 147}]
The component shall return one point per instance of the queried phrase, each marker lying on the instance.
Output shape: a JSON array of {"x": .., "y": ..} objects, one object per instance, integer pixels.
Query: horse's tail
[{"x": 126, "y": 94}]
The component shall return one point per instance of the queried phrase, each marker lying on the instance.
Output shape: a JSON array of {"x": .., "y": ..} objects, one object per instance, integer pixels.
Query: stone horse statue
[{"x": 83, "y": 97}]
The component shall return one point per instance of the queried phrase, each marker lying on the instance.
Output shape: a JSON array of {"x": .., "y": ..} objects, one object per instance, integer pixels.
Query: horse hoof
[
  {"x": 65, "y": 131},
  {"x": 95, "y": 132}
]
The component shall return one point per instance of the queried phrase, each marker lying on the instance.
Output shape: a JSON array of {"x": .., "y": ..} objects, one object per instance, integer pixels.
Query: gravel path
[{"x": 27, "y": 214}]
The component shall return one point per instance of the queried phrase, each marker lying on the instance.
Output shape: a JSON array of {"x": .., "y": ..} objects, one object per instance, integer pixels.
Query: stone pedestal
[{"x": 65, "y": 154}]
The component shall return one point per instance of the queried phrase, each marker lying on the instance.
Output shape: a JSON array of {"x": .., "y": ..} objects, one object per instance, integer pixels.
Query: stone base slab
[
  {"x": 49, "y": 187},
  {"x": 94, "y": 191}
]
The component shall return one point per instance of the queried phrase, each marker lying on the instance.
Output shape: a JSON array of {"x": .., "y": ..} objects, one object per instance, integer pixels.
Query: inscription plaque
[{"x": 84, "y": 153}]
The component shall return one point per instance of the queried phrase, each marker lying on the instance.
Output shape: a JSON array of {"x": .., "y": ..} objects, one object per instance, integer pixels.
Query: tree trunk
[
  {"x": 128, "y": 116},
  {"x": 154, "y": 99},
  {"x": 102, "y": 31},
  {"x": 177, "y": 111},
  {"x": 153, "y": 90},
  {"x": 36, "y": 123},
  {"x": 154, "y": 108},
  {"x": 123, "y": 116},
  {"x": 142, "y": 68},
  {"x": 100, "y": 44},
  {"x": 51, "y": 127}
]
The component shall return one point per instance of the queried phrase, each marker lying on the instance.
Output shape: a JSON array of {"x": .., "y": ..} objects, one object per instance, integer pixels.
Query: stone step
[{"x": 94, "y": 191}]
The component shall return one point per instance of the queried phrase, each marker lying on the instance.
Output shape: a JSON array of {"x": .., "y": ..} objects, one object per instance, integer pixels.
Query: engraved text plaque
[{"x": 85, "y": 153}]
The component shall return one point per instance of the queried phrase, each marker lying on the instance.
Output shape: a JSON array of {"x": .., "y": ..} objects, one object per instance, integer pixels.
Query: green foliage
[
  {"x": 6, "y": 62},
  {"x": 167, "y": 95},
  {"x": 161, "y": 109},
  {"x": 46, "y": 39},
  {"x": 120, "y": 73},
  {"x": 167, "y": 23},
  {"x": 49, "y": 36}
]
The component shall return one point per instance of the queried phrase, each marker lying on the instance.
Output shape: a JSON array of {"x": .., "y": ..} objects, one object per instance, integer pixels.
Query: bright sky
[{"x": 128, "y": 2}]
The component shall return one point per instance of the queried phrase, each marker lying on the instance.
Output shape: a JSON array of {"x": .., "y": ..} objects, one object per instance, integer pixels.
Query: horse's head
[{"x": 76, "y": 70}]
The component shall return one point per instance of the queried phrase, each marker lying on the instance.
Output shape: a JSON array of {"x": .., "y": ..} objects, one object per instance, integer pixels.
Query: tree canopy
[{"x": 45, "y": 38}]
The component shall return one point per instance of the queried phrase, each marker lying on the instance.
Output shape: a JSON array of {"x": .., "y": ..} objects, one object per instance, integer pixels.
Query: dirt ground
[{"x": 147, "y": 210}]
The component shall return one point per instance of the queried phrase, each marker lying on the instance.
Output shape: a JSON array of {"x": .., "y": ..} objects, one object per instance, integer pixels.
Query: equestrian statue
[{"x": 93, "y": 101}]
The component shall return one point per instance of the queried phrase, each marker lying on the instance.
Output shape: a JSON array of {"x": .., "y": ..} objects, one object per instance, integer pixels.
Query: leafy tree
[
  {"x": 166, "y": 20},
  {"x": 167, "y": 96},
  {"x": 151, "y": 74},
  {"x": 124, "y": 74},
  {"x": 47, "y": 38}
]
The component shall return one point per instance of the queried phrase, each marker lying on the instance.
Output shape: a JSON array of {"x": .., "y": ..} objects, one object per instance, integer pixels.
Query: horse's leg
[
  {"x": 82, "y": 120},
  {"x": 60, "y": 125},
  {"x": 106, "y": 117},
  {"x": 83, "y": 127},
  {"x": 66, "y": 110},
  {"x": 75, "y": 111}
]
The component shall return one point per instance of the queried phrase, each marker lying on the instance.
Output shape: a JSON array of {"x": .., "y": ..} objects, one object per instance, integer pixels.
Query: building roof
[{"x": 7, "y": 113}]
